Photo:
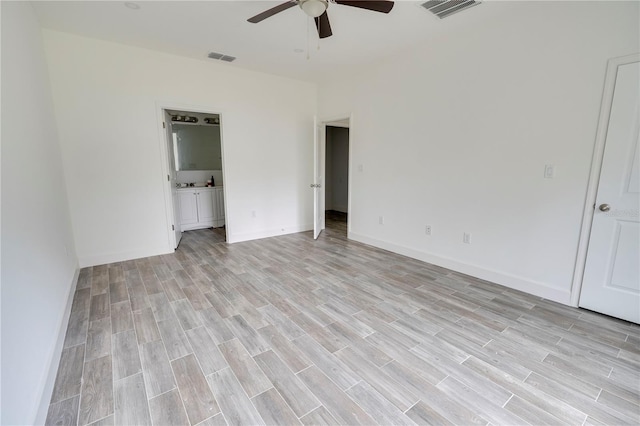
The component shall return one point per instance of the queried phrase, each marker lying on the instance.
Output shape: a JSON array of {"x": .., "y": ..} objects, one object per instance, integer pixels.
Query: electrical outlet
[
  {"x": 427, "y": 229},
  {"x": 549, "y": 171},
  {"x": 253, "y": 214},
  {"x": 466, "y": 238},
  {"x": 381, "y": 220},
  {"x": 360, "y": 167}
]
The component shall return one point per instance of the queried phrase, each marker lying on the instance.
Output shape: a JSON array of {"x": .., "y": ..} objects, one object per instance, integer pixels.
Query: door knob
[{"x": 604, "y": 207}]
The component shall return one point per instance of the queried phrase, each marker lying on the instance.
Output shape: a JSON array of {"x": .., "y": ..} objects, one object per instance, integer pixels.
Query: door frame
[
  {"x": 161, "y": 106},
  {"x": 323, "y": 123},
  {"x": 594, "y": 173}
]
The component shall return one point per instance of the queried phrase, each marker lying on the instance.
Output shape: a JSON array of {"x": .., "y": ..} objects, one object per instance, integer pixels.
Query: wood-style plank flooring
[{"x": 288, "y": 330}]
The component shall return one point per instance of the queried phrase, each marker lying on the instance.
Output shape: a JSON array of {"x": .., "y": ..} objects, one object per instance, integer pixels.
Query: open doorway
[
  {"x": 193, "y": 142},
  {"x": 337, "y": 177}
]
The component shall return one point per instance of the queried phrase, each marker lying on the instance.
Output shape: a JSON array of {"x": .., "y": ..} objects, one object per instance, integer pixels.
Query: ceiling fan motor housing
[{"x": 314, "y": 8}]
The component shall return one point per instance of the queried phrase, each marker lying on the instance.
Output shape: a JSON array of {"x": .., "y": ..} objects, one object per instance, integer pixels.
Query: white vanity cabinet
[
  {"x": 219, "y": 203},
  {"x": 187, "y": 199},
  {"x": 200, "y": 208}
]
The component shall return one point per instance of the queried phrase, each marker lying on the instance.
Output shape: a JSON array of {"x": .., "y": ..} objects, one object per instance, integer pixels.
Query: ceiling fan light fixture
[{"x": 314, "y": 8}]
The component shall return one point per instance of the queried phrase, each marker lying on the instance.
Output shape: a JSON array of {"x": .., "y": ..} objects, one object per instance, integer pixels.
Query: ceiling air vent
[
  {"x": 444, "y": 8},
  {"x": 221, "y": 57}
]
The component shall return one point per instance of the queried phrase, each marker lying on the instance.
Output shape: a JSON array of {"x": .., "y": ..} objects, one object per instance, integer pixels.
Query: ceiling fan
[{"x": 317, "y": 9}]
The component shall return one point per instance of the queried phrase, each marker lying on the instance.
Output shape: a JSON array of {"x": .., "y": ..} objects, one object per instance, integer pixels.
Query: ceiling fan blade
[
  {"x": 323, "y": 25},
  {"x": 268, "y": 13},
  {"x": 375, "y": 5}
]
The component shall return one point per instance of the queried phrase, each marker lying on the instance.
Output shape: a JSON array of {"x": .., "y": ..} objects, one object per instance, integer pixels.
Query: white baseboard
[
  {"x": 340, "y": 208},
  {"x": 508, "y": 280},
  {"x": 103, "y": 259},
  {"x": 47, "y": 391},
  {"x": 237, "y": 238}
]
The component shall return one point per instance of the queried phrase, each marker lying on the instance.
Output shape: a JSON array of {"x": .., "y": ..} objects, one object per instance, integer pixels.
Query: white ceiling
[{"x": 194, "y": 28}]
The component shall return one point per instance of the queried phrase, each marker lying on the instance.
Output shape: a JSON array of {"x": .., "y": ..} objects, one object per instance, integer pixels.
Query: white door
[
  {"x": 188, "y": 207},
  {"x": 611, "y": 281},
  {"x": 317, "y": 185},
  {"x": 173, "y": 174},
  {"x": 206, "y": 211}
]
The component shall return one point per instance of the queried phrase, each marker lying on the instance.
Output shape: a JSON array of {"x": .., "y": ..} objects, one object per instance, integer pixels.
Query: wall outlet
[
  {"x": 360, "y": 167},
  {"x": 466, "y": 238},
  {"x": 253, "y": 214},
  {"x": 549, "y": 171},
  {"x": 381, "y": 220},
  {"x": 427, "y": 229}
]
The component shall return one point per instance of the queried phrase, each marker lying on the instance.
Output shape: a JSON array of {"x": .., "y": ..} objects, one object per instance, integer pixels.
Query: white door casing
[{"x": 611, "y": 279}]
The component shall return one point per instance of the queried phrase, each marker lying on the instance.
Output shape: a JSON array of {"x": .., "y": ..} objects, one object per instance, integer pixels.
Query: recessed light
[
  {"x": 132, "y": 5},
  {"x": 298, "y": 50}
]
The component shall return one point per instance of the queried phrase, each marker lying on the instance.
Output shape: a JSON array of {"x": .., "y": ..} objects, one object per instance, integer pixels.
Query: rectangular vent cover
[
  {"x": 221, "y": 57},
  {"x": 444, "y": 8}
]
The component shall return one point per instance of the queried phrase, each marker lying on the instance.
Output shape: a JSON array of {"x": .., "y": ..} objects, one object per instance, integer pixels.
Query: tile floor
[{"x": 288, "y": 330}]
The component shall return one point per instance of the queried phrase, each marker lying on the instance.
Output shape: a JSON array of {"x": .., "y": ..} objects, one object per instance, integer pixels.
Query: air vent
[
  {"x": 221, "y": 57},
  {"x": 444, "y": 8}
]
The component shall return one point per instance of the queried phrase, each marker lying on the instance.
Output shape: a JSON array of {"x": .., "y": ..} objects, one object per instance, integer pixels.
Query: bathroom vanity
[{"x": 201, "y": 207}]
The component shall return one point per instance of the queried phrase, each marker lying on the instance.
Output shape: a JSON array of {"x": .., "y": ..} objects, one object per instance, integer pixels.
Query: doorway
[
  {"x": 337, "y": 177},
  {"x": 320, "y": 131},
  {"x": 195, "y": 179}
]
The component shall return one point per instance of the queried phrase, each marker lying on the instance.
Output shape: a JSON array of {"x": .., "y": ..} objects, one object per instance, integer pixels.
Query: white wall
[
  {"x": 38, "y": 255},
  {"x": 455, "y": 133},
  {"x": 106, "y": 99}
]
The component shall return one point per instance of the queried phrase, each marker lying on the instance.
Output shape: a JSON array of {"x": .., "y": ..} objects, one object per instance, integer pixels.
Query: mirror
[{"x": 196, "y": 147}]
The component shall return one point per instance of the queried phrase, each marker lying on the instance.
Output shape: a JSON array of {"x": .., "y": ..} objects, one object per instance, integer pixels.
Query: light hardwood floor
[{"x": 288, "y": 330}]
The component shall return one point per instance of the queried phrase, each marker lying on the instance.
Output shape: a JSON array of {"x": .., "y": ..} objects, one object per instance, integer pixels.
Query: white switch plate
[
  {"x": 549, "y": 171},
  {"x": 360, "y": 167},
  {"x": 466, "y": 238},
  {"x": 381, "y": 220}
]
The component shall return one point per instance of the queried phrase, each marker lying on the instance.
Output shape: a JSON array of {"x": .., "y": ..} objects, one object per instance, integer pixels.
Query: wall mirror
[{"x": 197, "y": 147}]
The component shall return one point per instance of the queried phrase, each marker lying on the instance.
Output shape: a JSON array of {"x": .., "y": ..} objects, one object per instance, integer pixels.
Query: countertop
[{"x": 200, "y": 187}]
